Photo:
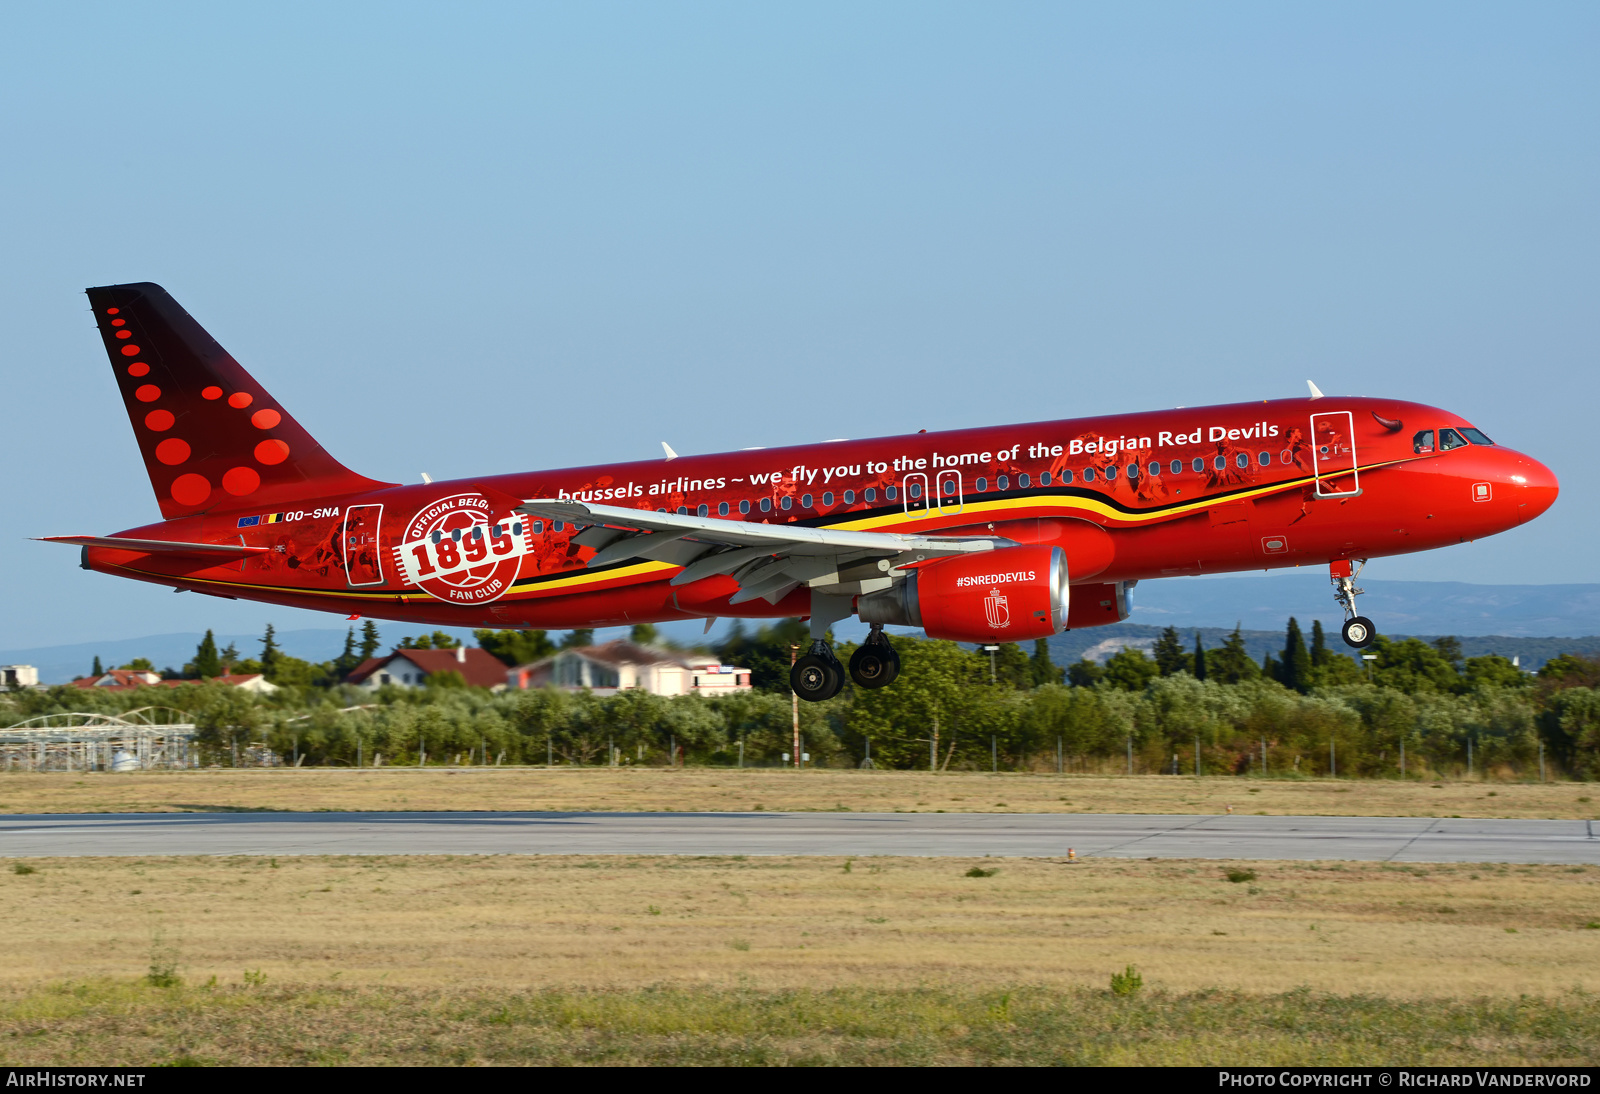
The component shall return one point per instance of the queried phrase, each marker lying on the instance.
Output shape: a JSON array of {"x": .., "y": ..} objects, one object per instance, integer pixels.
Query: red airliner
[{"x": 1001, "y": 533}]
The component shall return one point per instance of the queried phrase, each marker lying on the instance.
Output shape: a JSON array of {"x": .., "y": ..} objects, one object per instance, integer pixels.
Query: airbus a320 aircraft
[{"x": 994, "y": 534}]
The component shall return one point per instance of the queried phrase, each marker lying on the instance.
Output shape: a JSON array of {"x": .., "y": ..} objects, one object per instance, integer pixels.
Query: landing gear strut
[
  {"x": 1358, "y": 630},
  {"x": 875, "y": 664}
]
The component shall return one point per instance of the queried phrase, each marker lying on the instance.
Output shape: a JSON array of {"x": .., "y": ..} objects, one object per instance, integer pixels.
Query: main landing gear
[
  {"x": 819, "y": 675},
  {"x": 875, "y": 664},
  {"x": 1358, "y": 630}
]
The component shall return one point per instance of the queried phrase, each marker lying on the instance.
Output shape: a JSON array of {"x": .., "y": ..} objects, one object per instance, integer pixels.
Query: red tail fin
[{"x": 213, "y": 439}]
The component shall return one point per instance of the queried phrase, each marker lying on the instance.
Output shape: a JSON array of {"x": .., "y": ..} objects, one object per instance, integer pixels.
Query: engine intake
[{"x": 1009, "y": 595}]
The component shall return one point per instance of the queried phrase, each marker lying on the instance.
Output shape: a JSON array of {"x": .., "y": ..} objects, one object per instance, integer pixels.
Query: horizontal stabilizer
[{"x": 158, "y": 546}]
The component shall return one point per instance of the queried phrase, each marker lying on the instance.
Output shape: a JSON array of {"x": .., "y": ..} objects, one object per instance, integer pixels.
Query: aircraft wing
[
  {"x": 767, "y": 560},
  {"x": 158, "y": 546}
]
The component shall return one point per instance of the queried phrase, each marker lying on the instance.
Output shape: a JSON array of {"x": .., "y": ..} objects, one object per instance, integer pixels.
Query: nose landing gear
[{"x": 1358, "y": 631}]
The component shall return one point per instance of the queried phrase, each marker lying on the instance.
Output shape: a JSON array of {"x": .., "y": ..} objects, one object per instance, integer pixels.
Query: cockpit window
[
  {"x": 1422, "y": 442},
  {"x": 1474, "y": 435},
  {"x": 1449, "y": 438}
]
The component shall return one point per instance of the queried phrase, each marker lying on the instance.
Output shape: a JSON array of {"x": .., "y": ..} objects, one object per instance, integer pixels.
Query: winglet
[
  {"x": 667, "y": 448},
  {"x": 1316, "y": 393}
]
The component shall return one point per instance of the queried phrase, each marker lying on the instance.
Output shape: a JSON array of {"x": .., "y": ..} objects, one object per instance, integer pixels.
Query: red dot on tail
[
  {"x": 240, "y": 481},
  {"x": 191, "y": 489},
  {"x": 265, "y": 419},
  {"x": 130, "y": 351},
  {"x": 159, "y": 420},
  {"x": 112, "y": 311},
  {"x": 138, "y": 368},
  {"x": 240, "y": 399},
  {"x": 172, "y": 451},
  {"x": 124, "y": 334},
  {"x": 211, "y": 393},
  {"x": 271, "y": 452},
  {"x": 119, "y": 322},
  {"x": 147, "y": 393}
]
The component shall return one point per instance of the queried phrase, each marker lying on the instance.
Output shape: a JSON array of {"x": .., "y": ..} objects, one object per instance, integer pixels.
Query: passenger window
[
  {"x": 1111, "y": 472},
  {"x": 766, "y": 505},
  {"x": 1199, "y": 465},
  {"x": 538, "y": 527},
  {"x": 1422, "y": 442},
  {"x": 827, "y": 497},
  {"x": 788, "y": 503},
  {"x": 1044, "y": 478},
  {"x": 683, "y": 511},
  {"x": 916, "y": 491},
  {"x": 1155, "y": 467},
  {"x": 1449, "y": 438},
  {"x": 1242, "y": 460},
  {"x": 1176, "y": 467},
  {"x": 1265, "y": 459},
  {"x": 849, "y": 497},
  {"x": 1133, "y": 472},
  {"x": 1475, "y": 435},
  {"x": 1088, "y": 474},
  {"x": 805, "y": 501},
  {"x": 722, "y": 509},
  {"x": 949, "y": 487},
  {"x": 744, "y": 506},
  {"x": 1066, "y": 477},
  {"x": 1023, "y": 482},
  {"x": 890, "y": 492},
  {"x": 702, "y": 511},
  {"x": 871, "y": 494},
  {"x": 1003, "y": 482},
  {"x": 982, "y": 484}
]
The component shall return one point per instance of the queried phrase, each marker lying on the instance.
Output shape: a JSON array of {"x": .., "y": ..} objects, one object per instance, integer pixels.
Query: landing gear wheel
[
  {"x": 1359, "y": 632},
  {"x": 874, "y": 665},
  {"x": 815, "y": 678}
]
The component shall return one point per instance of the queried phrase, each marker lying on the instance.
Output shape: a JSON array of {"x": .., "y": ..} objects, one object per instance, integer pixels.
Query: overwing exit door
[
  {"x": 363, "y": 559},
  {"x": 1333, "y": 455}
]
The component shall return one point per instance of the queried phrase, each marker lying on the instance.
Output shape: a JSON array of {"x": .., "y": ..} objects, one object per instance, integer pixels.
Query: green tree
[
  {"x": 369, "y": 640},
  {"x": 139, "y": 664},
  {"x": 1493, "y": 671},
  {"x": 1130, "y": 670},
  {"x": 1411, "y": 665},
  {"x": 1043, "y": 670},
  {"x": 1231, "y": 663},
  {"x": 1199, "y": 658},
  {"x": 206, "y": 663},
  {"x": 516, "y": 647},
  {"x": 438, "y": 640},
  {"x": 270, "y": 655},
  {"x": 644, "y": 634},
  {"x": 1084, "y": 673},
  {"x": 229, "y": 657},
  {"x": 1571, "y": 670},
  {"x": 1011, "y": 666},
  {"x": 97, "y": 670},
  {"x": 1295, "y": 669},
  {"x": 346, "y": 662},
  {"x": 583, "y": 636},
  {"x": 1449, "y": 648},
  {"x": 766, "y": 653},
  {"x": 1170, "y": 656}
]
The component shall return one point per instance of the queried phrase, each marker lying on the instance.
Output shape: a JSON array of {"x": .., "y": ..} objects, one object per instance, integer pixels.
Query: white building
[
  {"x": 620, "y": 665},
  {"x": 18, "y": 676}
]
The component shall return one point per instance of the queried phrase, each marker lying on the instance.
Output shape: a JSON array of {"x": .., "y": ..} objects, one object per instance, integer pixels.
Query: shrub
[
  {"x": 23, "y": 868},
  {"x": 979, "y": 871},
  {"x": 1237, "y": 876},
  {"x": 1126, "y": 982}
]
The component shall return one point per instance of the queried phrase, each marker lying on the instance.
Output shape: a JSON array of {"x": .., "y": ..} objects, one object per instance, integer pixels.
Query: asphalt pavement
[{"x": 1369, "y": 839}]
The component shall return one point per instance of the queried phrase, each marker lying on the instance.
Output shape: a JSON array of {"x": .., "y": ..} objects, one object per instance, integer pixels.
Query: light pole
[
  {"x": 794, "y": 697},
  {"x": 992, "y": 650}
]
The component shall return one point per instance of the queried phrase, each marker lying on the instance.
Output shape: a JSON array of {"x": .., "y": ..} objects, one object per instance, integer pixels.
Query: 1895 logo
[{"x": 452, "y": 550}]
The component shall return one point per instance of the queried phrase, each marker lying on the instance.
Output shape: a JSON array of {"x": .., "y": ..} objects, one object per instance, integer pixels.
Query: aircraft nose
[{"x": 1534, "y": 486}]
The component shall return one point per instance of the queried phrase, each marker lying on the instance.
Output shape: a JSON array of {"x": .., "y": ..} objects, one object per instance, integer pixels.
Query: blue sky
[{"x": 481, "y": 238}]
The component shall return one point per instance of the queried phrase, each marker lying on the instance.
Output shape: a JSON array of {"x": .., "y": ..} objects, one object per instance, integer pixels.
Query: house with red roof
[{"x": 411, "y": 668}]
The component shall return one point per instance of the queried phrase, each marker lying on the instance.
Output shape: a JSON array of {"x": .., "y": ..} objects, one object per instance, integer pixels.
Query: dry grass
[
  {"x": 122, "y": 1024},
  {"x": 504, "y": 923},
  {"x": 724, "y": 789}
]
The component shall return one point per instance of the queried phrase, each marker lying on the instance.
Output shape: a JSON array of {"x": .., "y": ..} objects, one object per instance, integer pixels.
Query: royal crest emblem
[{"x": 997, "y": 610}]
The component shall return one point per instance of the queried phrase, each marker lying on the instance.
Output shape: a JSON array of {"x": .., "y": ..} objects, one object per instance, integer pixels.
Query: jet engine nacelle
[
  {"x": 1009, "y": 595},
  {"x": 1097, "y": 605}
]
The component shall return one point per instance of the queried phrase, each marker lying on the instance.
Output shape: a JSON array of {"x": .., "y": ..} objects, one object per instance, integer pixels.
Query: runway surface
[{"x": 1373, "y": 839}]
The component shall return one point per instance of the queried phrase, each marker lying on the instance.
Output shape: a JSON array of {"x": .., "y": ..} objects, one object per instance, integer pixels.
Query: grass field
[
  {"x": 722, "y": 789},
  {"x": 549, "y": 959}
]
